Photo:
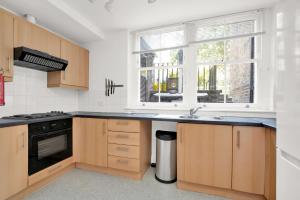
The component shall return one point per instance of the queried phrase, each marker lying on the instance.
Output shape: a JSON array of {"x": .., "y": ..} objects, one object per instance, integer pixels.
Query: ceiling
[{"x": 83, "y": 21}]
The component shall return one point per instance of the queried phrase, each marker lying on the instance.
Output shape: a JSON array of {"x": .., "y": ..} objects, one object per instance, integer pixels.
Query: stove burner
[{"x": 36, "y": 115}]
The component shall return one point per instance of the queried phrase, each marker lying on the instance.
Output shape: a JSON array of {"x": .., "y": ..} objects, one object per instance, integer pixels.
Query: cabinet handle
[
  {"x": 23, "y": 145},
  {"x": 104, "y": 128},
  {"x": 123, "y": 136},
  {"x": 125, "y": 123},
  {"x": 122, "y": 149},
  {"x": 238, "y": 139},
  {"x": 1, "y": 70},
  {"x": 54, "y": 169},
  {"x": 181, "y": 135},
  {"x": 64, "y": 75},
  {"x": 123, "y": 162},
  {"x": 9, "y": 64}
]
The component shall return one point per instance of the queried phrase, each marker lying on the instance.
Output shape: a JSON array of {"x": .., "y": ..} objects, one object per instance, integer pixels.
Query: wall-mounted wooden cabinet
[
  {"x": 24, "y": 33},
  {"x": 32, "y": 36},
  {"x": 76, "y": 74},
  {"x": 6, "y": 45},
  {"x": 13, "y": 160}
]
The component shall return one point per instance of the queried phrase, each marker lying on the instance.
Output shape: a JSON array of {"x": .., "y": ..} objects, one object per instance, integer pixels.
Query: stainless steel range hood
[{"x": 30, "y": 58}]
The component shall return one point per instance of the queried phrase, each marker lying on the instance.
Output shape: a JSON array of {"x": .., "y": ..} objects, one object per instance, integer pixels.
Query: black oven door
[{"x": 49, "y": 148}]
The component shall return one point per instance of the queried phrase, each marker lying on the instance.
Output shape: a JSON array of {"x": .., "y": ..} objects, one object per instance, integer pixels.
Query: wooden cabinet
[
  {"x": 129, "y": 145},
  {"x": 76, "y": 74},
  {"x": 204, "y": 154},
  {"x": 6, "y": 45},
  {"x": 32, "y": 36},
  {"x": 104, "y": 148},
  {"x": 248, "y": 174},
  {"x": 90, "y": 141},
  {"x": 13, "y": 160},
  {"x": 270, "y": 174}
]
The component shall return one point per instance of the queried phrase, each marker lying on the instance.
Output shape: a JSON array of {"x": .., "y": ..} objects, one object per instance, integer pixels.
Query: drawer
[
  {"x": 126, "y": 164},
  {"x": 124, "y": 125},
  {"x": 124, "y": 151},
  {"x": 124, "y": 138}
]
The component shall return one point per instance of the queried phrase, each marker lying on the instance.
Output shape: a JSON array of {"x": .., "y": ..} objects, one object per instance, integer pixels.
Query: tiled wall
[
  {"x": 28, "y": 93},
  {"x": 108, "y": 59}
]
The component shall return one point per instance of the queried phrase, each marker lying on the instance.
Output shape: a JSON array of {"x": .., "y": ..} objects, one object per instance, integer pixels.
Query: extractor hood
[{"x": 30, "y": 58}]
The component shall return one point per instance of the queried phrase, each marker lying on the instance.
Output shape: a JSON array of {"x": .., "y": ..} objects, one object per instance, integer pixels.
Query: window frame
[{"x": 190, "y": 66}]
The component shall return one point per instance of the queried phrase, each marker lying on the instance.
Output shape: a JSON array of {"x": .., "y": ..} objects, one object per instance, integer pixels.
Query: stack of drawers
[{"x": 124, "y": 145}]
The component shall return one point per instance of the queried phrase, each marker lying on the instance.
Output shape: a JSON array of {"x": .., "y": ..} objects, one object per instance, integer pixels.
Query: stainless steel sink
[{"x": 189, "y": 116}]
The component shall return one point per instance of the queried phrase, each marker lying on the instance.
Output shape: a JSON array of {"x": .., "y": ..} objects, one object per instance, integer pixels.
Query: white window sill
[{"x": 205, "y": 109}]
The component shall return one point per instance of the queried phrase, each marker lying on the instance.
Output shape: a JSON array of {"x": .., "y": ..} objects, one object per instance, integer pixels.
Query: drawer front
[
  {"x": 124, "y": 138},
  {"x": 124, "y": 151},
  {"x": 123, "y": 163},
  {"x": 124, "y": 125}
]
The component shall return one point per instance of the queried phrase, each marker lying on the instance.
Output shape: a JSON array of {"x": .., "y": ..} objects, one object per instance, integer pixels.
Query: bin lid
[{"x": 166, "y": 135}]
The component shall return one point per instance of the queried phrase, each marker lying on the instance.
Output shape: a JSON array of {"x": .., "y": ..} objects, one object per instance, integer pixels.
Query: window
[
  {"x": 161, "y": 72},
  {"x": 226, "y": 63},
  {"x": 212, "y": 62}
]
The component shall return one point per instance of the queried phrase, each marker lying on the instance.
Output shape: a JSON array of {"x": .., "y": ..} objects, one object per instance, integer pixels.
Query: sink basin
[{"x": 189, "y": 116}]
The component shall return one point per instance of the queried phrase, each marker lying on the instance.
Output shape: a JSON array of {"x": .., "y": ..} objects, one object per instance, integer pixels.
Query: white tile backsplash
[
  {"x": 108, "y": 59},
  {"x": 28, "y": 93}
]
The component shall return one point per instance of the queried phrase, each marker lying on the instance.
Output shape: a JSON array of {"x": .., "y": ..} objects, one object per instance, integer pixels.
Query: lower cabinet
[
  {"x": 237, "y": 162},
  {"x": 205, "y": 154},
  {"x": 13, "y": 160},
  {"x": 110, "y": 145},
  {"x": 90, "y": 141},
  {"x": 248, "y": 173}
]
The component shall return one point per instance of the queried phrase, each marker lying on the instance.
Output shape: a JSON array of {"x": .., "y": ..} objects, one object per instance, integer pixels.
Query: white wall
[
  {"x": 108, "y": 59},
  {"x": 28, "y": 93}
]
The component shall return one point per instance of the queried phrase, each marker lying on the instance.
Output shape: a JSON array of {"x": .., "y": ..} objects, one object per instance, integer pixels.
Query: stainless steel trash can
[{"x": 166, "y": 164}]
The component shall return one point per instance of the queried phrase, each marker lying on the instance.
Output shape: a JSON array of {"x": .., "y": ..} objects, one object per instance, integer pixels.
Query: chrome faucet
[{"x": 193, "y": 111}]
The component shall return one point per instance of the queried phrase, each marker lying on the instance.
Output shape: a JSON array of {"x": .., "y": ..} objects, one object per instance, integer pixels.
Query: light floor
[{"x": 85, "y": 185}]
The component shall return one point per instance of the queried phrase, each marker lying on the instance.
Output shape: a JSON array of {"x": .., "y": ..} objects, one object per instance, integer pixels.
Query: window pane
[
  {"x": 240, "y": 28},
  {"x": 149, "y": 83},
  {"x": 210, "y": 52},
  {"x": 211, "y": 84},
  {"x": 161, "y": 40},
  {"x": 163, "y": 58},
  {"x": 210, "y": 32},
  {"x": 225, "y": 30},
  {"x": 240, "y": 83},
  {"x": 241, "y": 48},
  {"x": 171, "y": 86}
]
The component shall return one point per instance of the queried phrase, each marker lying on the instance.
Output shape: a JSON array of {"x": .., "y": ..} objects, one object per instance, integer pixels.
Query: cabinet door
[
  {"x": 32, "y": 36},
  {"x": 53, "y": 45},
  {"x": 248, "y": 173},
  {"x": 13, "y": 160},
  {"x": 205, "y": 154},
  {"x": 91, "y": 141},
  {"x": 6, "y": 44},
  {"x": 23, "y": 33},
  {"x": 70, "y": 52},
  {"x": 83, "y": 75}
]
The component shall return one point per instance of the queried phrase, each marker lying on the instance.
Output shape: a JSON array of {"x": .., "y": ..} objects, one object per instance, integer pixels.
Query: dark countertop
[{"x": 237, "y": 121}]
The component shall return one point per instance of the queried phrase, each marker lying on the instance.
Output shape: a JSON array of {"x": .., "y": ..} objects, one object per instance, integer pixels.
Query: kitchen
[{"x": 199, "y": 103}]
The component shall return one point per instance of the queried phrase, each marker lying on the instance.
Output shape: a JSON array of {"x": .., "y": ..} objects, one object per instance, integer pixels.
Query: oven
[{"x": 49, "y": 143}]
